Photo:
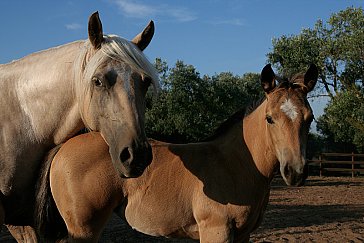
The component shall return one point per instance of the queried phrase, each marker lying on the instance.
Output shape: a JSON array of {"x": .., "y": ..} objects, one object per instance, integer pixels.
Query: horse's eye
[
  {"x": 269, "y": 119},
  {"x": 97, "y": 81}
]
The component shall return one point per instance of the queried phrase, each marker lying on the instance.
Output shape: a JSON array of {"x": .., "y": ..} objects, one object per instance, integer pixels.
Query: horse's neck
[
  {"x": 233, "y": 148},
  {"x": 44, "y": 88},
  {"x": 258, "y": 142}
]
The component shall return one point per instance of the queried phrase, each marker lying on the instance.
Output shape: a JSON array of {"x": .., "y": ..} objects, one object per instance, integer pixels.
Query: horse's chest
[
  {"x": 19, "y": 164},
  {"x": 248, "y": 218},
  {"x": 155, "y": 217},
  {"x": 17, "y": 183}
]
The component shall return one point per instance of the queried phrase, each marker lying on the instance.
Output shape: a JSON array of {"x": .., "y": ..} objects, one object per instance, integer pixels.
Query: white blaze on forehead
[{"x": 289, "y": 109}]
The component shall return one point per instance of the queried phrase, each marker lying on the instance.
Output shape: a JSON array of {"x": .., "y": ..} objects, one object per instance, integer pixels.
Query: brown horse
[
  {"x": 215, "y": 191},
  {"x": 47, "y": 97}
]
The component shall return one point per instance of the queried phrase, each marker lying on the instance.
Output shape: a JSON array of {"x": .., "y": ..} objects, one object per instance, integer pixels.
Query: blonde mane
[{"x": 116, "y": 48}]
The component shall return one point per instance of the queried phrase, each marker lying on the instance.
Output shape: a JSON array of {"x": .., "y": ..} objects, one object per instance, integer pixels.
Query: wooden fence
[{"x": 338, "y": 163}]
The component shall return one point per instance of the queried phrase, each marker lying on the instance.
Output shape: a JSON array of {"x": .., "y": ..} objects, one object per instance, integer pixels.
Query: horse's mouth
[
  {"x": 134, "y": 172},
  {"x": 293, "y": 178},
  {"x": 136, "y": 164},
  {"x": 138, "y": 171},
  {"x": 130, "y": 172}
]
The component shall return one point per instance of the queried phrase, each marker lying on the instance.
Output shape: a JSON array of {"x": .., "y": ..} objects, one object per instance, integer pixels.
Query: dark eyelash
[{"x": 269, "y": 119}]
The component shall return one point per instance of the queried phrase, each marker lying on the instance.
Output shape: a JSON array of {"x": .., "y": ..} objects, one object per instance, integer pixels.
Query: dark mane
[
  {"x": 236, "y": 117},
  {"x": 290, "y": 79},
  {"x": 253, "y": 105},
  {"x": 291, "y": 82}
]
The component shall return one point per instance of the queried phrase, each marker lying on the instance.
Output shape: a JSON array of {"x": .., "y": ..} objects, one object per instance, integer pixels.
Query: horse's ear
[
  {"x": 268, "y": 79},
  {"x": 95, "y": 34},
  {"x": 310, "y": 78},
  {"x": 143, "y": 39}
]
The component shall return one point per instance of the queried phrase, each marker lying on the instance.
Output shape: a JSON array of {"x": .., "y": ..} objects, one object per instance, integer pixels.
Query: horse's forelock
[
  {"x": 123, "y": 50},
  {"x": 85, "y": 67},
  {"x": 296, "y": 81}
]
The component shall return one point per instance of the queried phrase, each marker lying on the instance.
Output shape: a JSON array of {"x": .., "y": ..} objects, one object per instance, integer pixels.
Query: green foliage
[
  {"x": 190, "y": 107},
  {"x": 337, "y": 47},
  {"x": 343, "y": 120}
]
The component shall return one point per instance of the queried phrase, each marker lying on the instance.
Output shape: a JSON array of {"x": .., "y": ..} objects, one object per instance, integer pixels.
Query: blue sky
[{"x": 214, "y": 36}]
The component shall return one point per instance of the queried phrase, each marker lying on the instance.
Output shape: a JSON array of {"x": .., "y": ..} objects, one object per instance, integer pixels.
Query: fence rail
[{"x": 338, "y": 162}]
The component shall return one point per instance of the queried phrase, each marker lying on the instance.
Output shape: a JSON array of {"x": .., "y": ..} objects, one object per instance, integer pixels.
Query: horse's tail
[{"x": 47, "y": 218}]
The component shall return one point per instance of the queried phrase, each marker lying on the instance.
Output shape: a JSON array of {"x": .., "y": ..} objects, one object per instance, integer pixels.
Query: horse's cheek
[{"x": 101, "y": 102}]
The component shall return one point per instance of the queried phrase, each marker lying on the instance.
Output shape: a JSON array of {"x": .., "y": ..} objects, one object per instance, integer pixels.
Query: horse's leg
[
  {"x": 214, "y": 232},
  {"x": 23, "y": 233},
  {"x": 85, "y": 219},
  {"x": 83, "y": 228},
  {"x": 242, "y": 238},
  {"x": 83, "y": 234},
  {"x": 2, "y": 214}
]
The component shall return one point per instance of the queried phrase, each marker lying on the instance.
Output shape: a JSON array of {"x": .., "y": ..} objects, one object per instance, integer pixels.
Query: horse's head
[
  {"x": 115, "y": 77},
  {"x": 288, "y": 117}
]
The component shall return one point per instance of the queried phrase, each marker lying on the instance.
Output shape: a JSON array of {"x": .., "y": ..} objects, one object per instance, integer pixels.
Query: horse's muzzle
[
  {"x": 135, "y": 159},
  {"x": 292, "y": 177}
]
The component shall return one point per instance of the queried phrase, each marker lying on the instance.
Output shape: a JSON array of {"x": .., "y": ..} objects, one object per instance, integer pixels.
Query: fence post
[
  {"x": 352, "y": 164},
  {"x": 320, "y": 159}
]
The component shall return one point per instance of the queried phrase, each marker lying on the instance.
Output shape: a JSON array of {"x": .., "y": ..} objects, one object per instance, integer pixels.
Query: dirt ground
[{"x": 326, "y": 209}]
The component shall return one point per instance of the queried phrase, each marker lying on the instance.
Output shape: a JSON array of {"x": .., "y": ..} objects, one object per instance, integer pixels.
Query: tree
[
  {"x": 231, "y": 93},
  {"x": 337, "y": 47},
  {"x": 343, "y": 120},
  {"x": 179, "y": 113},
  {"x": 190, "y": 107}
]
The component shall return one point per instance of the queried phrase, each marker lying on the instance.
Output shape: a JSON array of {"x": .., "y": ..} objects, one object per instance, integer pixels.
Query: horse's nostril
[
  {"x": 125, "y": 155},
  {"x": 286, "y": 171}
]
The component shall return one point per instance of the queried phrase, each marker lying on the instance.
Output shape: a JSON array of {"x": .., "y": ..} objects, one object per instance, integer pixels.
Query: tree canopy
[
  {"x": 337, "y": 48},
  {"x": 343, "y": 120},
  {"x": 190, "y": 107}
]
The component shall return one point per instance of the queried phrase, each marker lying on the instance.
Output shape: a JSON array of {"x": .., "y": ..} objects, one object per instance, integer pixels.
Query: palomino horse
[
  {"x": 47, "y": 97},
  {"x": 215, "y": 191}
]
